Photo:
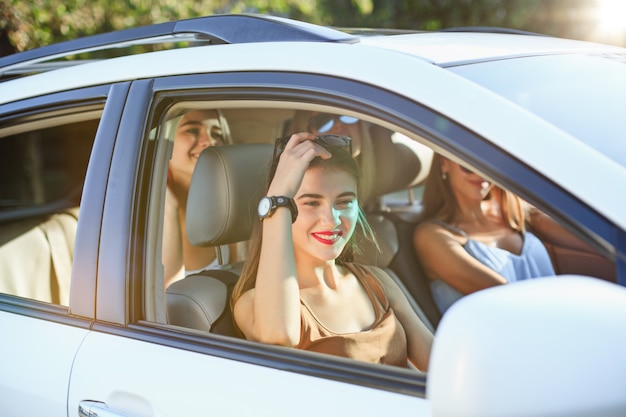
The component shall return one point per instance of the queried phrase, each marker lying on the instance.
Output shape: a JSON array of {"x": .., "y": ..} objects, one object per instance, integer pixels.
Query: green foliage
[
  {"x": 429, "y": 14},
  {"x": 40, "y": 22},
  {"x": 33, "y": 23}
]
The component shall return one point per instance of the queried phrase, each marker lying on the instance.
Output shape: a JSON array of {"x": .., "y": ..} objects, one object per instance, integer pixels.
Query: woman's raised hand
[{"x": 299, "y": 151}]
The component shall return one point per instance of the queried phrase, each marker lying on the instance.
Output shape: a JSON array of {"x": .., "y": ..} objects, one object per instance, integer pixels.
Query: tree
[
  {"x": 7, "y": 26},
  {"x": 40, "y": 22}
]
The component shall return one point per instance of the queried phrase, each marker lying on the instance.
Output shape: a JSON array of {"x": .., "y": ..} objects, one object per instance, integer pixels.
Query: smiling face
[
  {"x": 196, "y": 131},
  {"x": 327, "y": 215}
]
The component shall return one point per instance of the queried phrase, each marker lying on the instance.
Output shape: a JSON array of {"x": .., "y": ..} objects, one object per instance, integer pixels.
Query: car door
[
  {"x": 135, "y": 364},
  {"x": 46, "y": 145}
]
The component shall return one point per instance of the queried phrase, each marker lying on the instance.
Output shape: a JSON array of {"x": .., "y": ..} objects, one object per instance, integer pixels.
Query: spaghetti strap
[{"x": 451, "y": 228}]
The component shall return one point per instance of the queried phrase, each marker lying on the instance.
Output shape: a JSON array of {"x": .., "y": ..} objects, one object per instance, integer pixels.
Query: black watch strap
[{"x": 269, "y": 204}]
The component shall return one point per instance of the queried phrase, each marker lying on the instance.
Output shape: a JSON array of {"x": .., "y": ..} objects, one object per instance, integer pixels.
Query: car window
[
  {"x": 395, "y": 167},
  {"x": 550, "y": 87},
  {"x": 257, "y": 128},
  {"x": 393, "y": 199},
  {"x": 43, "y": 160}
]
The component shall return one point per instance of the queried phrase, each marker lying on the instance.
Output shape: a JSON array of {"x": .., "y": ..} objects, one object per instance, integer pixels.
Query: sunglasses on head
[
  {"x": 323, "y": 123},
  {"x": 327, "y": 141}
]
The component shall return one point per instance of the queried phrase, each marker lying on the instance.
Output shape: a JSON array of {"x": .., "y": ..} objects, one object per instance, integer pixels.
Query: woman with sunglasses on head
[
  {"x": 195, "y": 131},
  {"x": 299, "y": 287},
  {"x": 474, "y": 234}
]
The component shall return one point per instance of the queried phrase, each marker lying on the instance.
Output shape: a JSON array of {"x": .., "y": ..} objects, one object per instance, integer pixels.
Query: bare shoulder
[
  {"x": 428, "y": 231},
  {"x": 428, "y": 226}
]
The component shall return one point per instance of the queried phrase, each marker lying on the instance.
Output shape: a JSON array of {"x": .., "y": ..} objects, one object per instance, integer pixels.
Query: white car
[{"x": 87, "y": 329}]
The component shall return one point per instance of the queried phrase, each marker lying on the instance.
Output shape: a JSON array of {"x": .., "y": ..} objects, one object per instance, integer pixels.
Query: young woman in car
[
  {"x": 299, "y": 287},
  {"x": 195, "y": 131},
  {"x": 474, "y": 235}
]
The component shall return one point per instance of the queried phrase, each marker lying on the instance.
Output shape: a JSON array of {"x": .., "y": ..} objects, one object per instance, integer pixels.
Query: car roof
[
  {"x": 411, "y": 58},
  {"x": 458, "y": 48},
  {"x": 446, "y": 48},
  {"x": 441, "y": 48}
]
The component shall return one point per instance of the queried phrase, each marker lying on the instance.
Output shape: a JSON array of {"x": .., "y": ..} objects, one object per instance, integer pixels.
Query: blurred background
[{"x": 28, "y": 24}]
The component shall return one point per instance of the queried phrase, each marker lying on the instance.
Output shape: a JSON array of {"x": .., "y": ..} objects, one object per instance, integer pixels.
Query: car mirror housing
[{"x": 543, "y": 347}]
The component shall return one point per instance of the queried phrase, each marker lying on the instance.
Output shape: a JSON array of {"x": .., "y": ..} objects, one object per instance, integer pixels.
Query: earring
[{"x": 444, "y": 176}]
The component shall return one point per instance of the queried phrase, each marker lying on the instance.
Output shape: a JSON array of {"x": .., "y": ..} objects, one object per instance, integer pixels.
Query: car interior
[
  {"x": 229, "y": 181},
  {"x": 42, "y": 171},
  {"x": 42, "y": 168}
]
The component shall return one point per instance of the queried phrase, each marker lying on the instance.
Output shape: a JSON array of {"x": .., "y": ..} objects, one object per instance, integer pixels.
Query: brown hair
[
  {"x": 340, "y": 160},
  {"x": 440, "y": 203}
]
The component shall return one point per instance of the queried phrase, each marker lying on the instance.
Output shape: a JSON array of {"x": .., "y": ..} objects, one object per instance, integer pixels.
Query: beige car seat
[
  {"x": 225, "y": 189},
  {"x": 36, "y": 257}
]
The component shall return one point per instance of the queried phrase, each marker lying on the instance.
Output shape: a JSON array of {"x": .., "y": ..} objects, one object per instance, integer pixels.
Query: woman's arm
[
  {"x": 270, "y": 312},
  {"x": 419, "y": 338},
  {"x": 443, "y": 257},
  {"x": 172, "y": 247},
  {"x": 552, "y": 232}
]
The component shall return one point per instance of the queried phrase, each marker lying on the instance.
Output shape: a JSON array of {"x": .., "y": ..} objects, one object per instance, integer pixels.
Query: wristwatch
[{"x": 268, "y": 205}]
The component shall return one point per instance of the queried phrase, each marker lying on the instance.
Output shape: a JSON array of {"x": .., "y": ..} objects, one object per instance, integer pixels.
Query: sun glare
[{"x": 611, "y": 15}]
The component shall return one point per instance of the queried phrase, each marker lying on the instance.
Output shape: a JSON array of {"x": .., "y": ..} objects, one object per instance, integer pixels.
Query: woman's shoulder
[
  {"x": 433, "y": 228},
  {"x": 368, "y": 274},
  {"x": 374, "y": 278}
]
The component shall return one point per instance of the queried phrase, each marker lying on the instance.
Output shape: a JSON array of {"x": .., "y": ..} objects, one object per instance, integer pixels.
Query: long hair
[
  {"x": 440, "y": 202},
  {"x": 340, "y": 160}
]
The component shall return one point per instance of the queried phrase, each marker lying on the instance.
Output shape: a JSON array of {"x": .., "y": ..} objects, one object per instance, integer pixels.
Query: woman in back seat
[
  {"x": 474, "y": 234},
  {"x": 195, "y": 131},
  {"x": 299, "y": 287}
]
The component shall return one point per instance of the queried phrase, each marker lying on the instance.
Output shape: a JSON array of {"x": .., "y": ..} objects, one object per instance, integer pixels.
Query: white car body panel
[
  {"x": 35, "y": 366},
  {"x": 472, "y": 372},
  {"x": 446, "y": 48},
  {"x": 166, "y": 381},
  {"x": 505, "y": 364}
]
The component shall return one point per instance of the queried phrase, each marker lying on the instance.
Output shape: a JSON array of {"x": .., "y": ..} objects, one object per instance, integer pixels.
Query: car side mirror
[{"x": 543, "y": 347}]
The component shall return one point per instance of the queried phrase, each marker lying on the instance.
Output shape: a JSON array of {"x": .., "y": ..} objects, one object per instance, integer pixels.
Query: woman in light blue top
[
  {"x": 474, "y": 235},
  {"x": 532, "y": 261}
]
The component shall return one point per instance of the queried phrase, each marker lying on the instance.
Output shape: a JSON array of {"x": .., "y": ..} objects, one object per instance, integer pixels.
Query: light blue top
[{"x": 533, "y": 261}]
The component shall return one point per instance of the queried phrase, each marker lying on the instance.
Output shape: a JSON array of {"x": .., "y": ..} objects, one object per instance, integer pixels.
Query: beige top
[{"x": 384, "y": 342}]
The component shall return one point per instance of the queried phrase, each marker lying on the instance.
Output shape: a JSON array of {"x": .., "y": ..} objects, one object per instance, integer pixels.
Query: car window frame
[
  {"x": 29, "y": 109},
  {"x": 407, "y": 115}
]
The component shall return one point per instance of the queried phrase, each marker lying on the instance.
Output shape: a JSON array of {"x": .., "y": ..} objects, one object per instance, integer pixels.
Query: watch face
[{"x": 265, "y": 206}]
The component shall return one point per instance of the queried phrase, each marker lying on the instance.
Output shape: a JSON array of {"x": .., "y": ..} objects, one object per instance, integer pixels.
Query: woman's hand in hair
[{"x": 299, "y": 151}]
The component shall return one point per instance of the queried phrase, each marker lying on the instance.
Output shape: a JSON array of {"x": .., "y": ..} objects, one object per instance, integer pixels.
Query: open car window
[
  {"x": 394, "y": 167},
  {"x": 43, "y": 161}
]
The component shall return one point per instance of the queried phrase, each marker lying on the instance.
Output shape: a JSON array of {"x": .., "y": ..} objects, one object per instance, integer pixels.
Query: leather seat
[
  {"x": 225, "y": 189},
  {"x": 399, "y": 165},
  {"x": 48, "y": 243}
]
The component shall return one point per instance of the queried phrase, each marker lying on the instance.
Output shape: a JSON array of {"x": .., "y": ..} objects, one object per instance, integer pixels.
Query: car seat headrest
[
  {"x": 400, "y": 163},
  {"x": 226, "y": 186}
]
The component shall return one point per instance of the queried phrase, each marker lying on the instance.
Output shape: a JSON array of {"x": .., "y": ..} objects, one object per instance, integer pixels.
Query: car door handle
[{"x": 96, "y": 409}]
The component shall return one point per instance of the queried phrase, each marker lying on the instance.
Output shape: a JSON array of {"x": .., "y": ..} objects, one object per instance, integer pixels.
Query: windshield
[{"x": 583, "y": 95}]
